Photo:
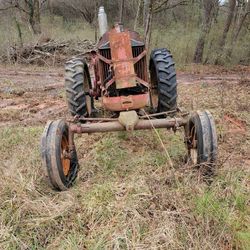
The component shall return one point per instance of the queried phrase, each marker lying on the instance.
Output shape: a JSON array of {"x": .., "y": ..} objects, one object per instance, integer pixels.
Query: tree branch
[
  {"x": 22, "y": 9},
  {"x": 14, "y": 6},
  {"x": 7, "y": 8},
  {"x": 160, "y": 8},
  {"x": 77, "y": 10},
  {"x": 160, "y": 5}
]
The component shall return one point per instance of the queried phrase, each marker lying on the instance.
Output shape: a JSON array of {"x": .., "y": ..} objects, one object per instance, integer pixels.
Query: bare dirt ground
[
  {"x": 30, "y": 95},
  {"x": 126, "y": 196}
]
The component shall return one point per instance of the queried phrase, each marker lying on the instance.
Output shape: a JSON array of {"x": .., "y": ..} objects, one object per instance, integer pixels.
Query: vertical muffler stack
[{"x": 102, "y": 20}]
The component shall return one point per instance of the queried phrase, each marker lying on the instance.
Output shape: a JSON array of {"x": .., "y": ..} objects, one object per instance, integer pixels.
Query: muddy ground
[{"x": 33, "y": 95}]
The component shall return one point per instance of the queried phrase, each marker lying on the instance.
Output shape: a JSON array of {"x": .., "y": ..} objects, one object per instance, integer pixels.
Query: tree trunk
[
  {"x": 137, "y": 15},
  {"x": 232, "y": 5},
  {"x": 121, "y": 11},
  {"x": 34, "y": 16},
  {"x": 148, "y": 25},
  {"x": 209, "y": 9},
  {"x": 198, "y": 54},
  {"x": 50, "y": 7},
  {"x": 19, "y": 31},
  {"x": 146, "y": 4},
  {"x": 238, "y": 28}
]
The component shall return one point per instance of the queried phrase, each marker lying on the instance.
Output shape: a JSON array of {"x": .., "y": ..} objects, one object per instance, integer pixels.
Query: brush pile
[{"x": 49, "y": 53}]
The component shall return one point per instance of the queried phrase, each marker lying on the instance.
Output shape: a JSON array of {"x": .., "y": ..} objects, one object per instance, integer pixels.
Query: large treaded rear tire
[
  {"x": 76, "y": 75},
  {"x": 163, "y": 80}
]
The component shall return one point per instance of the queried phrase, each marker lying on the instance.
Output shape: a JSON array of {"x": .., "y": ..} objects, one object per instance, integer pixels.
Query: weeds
[{"x": 126, "y": 196}]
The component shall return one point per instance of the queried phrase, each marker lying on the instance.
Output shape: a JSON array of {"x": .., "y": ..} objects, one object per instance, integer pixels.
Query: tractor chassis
[{"x": 59, "y": 153}]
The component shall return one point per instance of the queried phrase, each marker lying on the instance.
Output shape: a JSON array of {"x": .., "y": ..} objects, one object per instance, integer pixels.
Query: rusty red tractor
[{"x": 117, "y": 74}]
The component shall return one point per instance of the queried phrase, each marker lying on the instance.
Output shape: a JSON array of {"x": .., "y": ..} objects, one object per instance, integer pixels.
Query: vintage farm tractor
[{"x": 134, "y": 97}]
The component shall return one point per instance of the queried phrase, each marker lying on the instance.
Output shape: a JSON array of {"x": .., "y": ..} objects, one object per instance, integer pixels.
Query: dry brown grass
[{"x": 126, "y": 197}]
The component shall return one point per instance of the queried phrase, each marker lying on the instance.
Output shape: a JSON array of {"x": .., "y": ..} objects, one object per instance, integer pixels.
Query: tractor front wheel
[
  {"x": 60, "y": 161},
  {"x": 201, "y": 140}
]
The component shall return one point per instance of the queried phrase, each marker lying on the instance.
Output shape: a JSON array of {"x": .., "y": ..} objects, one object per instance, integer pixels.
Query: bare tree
[
  {"x": 209, "y": 9},
  {"x": 146, "y": 4},
  {"x": 163, "y": 5},
  {"x": 29, "y": 8},
  {"x": 230, "y": 15},
  {"x": 137, "y": 14},
  {"x": 245, "y": 7},
  {"x": 147, "y": 31},
  {"x": 121, "y": 11},
  {"x": 232, "y": 4},
  {"x": 152, "y": 7},
  {"x": 83, "y": 8},
  {"x": 34, "y": 15}
]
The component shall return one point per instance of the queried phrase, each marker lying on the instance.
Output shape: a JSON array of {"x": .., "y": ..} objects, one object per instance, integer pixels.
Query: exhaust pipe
[{"x": 102, "y": 20}]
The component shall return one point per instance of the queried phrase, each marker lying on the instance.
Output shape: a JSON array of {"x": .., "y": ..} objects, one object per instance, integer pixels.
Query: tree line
[{"x": 231, "y": 15}]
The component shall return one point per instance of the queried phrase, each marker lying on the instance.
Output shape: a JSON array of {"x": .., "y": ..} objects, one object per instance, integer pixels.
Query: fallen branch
[{"x": 54, "y": 51}]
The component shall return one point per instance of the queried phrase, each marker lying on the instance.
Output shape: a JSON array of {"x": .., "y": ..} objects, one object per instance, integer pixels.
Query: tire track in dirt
[{"x": 30, "y": 96}]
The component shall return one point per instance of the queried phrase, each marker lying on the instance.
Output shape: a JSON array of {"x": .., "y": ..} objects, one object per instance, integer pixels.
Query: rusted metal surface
[
  {"x": 98, "y": 119},
  {"x": 140, "y": 60},
  {"x": 104, "y": 41},
  {"x": 122, "y": 59},
  {"x": 120, "y": 64},
  {"x": 143, "y": 115},
  {"x": 117, "y": 126},
  {"x": 65, "y": 156},
  {"x": 121, "y": 103}
]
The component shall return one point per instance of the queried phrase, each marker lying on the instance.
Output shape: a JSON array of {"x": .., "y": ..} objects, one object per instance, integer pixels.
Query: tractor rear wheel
[
  {"x": 61, "y": 165},
  {"x": 201, "y": 140},
  {"x": 163, "y": 81},
  {"x": 78, "y": 85}
]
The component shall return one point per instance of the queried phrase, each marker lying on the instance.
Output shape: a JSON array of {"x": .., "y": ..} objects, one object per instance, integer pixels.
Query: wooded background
[{"x": 199, "y": 31}]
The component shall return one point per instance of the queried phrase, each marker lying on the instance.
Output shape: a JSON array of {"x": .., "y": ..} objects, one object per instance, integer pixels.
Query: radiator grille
[
  {"x": 140, "y": 67},
  {"x": 104, "y": 66}
]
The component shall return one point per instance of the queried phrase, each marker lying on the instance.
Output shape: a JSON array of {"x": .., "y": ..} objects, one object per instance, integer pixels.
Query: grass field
[{"x": 126, "y": 196}]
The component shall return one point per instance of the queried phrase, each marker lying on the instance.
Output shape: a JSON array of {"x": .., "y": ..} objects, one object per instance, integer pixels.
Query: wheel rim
[
  {"x": 194, "y": 155},
  {"x": 193, "y": 151},
  {"x": 86, "y": 89},
  {"x": 64, "y": 150}
]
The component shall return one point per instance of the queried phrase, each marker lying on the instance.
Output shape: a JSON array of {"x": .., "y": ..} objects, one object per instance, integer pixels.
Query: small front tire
[
  {"x": 61, "y": 169},
  {"x": 201, "y": 140}
]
